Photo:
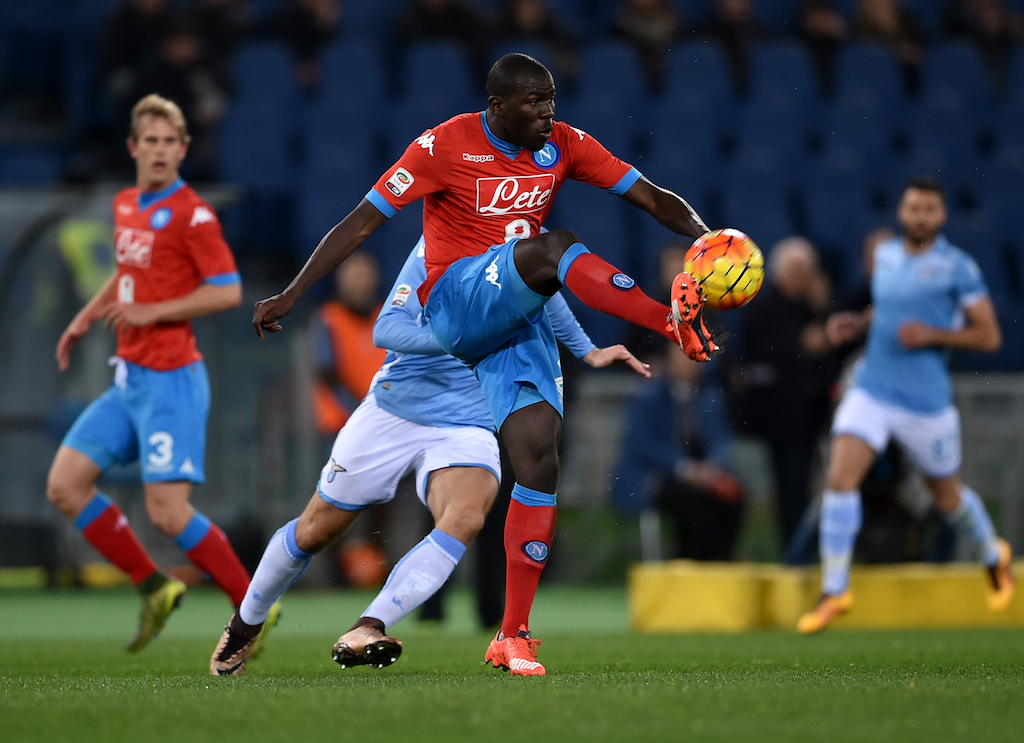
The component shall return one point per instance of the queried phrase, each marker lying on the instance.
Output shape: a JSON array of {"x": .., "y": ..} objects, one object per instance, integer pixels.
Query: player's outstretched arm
[
  {"x": 89, "y": 314},
  {"x": 667, "y": 207},
  {"x": 980, "y": 332},
  {"x": 335, "y": 247}
]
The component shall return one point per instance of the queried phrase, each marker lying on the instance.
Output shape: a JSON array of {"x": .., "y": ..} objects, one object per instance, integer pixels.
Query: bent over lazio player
[
  {"x": 425, "y": 414},
  {"x": 172, "y": 265},
  {"x": 488, "y": 180},
  {"x": 927, "y": 297}
]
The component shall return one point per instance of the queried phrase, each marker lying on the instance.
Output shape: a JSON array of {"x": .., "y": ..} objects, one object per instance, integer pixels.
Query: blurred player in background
[
  {"x": 425, "y": 414},
  {"x": 172, "y": 265},
  {"x": 927, "y": 297},
  {"x": 488, "y": 180}
]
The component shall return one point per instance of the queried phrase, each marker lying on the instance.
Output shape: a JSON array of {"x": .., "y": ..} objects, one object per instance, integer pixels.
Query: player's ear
[
  {"x": 496, "y": 105},
  {"x": 131, "y": 146}
]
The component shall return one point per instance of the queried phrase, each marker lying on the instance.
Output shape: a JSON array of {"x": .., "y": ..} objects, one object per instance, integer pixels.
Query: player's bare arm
[
  {"x": 205, "y": 300},
  {"x": 980, "y": 333},
  {"x": 667, "y": 207},
  {"x": 89, "y": 314},
  {"x": 599, "y": 358},
  {"x": 335, "y": 247}
]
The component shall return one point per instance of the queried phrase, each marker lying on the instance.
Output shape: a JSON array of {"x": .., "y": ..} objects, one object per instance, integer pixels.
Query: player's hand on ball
[
  {"x": 600, "y": 358},
  {"x": 267, "y": 312}
]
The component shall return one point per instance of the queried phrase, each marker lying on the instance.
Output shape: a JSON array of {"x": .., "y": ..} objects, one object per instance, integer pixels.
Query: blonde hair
[{"x": 155, "y": 105}]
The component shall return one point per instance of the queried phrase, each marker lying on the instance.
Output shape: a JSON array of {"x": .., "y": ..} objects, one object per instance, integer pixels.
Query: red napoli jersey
[
  {"x": 475, "y": 195},
  {"x": 167, "y": 244}
]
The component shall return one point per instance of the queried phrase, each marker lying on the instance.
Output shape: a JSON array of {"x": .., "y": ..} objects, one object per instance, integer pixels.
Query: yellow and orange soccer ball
[{"x": 729, "y": 267}]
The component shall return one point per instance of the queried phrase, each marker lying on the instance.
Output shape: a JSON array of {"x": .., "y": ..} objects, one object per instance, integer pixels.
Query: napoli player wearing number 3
[
  {"x": 487, "y": 181},
  {"x": 926, "y": 297},
  {"x": 172, "y": 265}
]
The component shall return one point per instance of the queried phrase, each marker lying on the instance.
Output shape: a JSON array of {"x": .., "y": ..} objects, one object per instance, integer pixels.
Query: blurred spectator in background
[
  {"x": 823, "y": 29},
  {"x": 786, "y": 373},
  {"x": 446, "y": 20},
  {"x": 735, "y": 28},
  {"x": 131, "y": 39},
  {"x": 991, "y": 24},
  {"x": 535, "y": 21},
  {"x": 345, "y": 356},
  {"x": 671, "y": 259},
  {"x": 181, "y": 71},
  {"x": 889, "y": 23},
  {"x": 651, "y": 26},
  {"x": 222, "y": 25},
  {"x": 675, "y": 459},
  {"x": 307, "y": 26}
]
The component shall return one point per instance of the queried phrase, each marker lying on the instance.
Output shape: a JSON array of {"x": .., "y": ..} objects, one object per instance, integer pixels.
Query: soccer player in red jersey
[
  {"x": 487, "y": 181},
  {"x": 172, "y": 265}
]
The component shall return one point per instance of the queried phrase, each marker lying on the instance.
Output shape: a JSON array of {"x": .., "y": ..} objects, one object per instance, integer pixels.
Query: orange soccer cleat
[
  {"x": 686, "y": 319},
  {"x": 517, "y": 655},
  {"x": 821, "y": 616},
  {"x": 1000, "y": 587}
]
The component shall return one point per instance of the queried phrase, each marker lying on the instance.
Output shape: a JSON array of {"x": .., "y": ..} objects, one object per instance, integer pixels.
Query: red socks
[
  {"x": 528, "y": 533},
  {"x": 205, "y": 545},
  {"x": 105, "y": 527},
  {"x": 602, "y": 286}
]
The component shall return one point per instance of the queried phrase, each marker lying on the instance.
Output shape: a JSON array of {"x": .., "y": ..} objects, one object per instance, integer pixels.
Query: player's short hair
[
  {"x": 509, "y": 73},
  {"x": 926, "y": 183},
  {"x": 155, "y": 105}
]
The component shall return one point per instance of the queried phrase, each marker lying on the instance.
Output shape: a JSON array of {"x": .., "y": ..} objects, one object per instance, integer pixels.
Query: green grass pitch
[{"x": 64, "y": 676}]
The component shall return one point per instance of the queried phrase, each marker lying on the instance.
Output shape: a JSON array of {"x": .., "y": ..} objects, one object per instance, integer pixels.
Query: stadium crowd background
[{"x": 780, "y": 117}]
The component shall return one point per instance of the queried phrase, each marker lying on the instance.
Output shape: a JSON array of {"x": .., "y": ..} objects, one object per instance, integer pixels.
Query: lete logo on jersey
[
  {"x": 514, "y": 194},
  {"x": 400, "y": 181},
  {"x": 133, "y": 247}
]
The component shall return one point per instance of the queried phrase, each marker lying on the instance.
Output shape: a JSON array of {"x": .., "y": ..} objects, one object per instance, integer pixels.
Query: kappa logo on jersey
[
  {"x": 536, "y": 551},
  {"x": 400, "y": 181},
  {"x": 401, "y": 295},
  {"x": 160, "y": 219},
  {"x": 579, "y": 132},
  {"x": 547, "y": 156},
  {"x": 514, "y": 194},
  {"x": 134, "y": 247},
  {"x": 477, "y": 158},
  {"x": 426, "y": 141},
  {"x": 492, "y": 273},
  {"x": 202, "y": 215}
]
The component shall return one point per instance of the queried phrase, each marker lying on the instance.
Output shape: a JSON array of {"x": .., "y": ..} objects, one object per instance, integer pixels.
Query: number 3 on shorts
[{"x": 163, "y": 443}]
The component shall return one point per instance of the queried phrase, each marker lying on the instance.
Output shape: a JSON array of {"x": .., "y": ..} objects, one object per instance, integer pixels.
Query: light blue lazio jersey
[
  {"x": 419, "y": 381},
  {"x": 933, "y": 287}
]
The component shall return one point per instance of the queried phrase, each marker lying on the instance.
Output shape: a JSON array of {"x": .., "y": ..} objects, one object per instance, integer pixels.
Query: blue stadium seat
[
  {"x": 254, "y": 148},
  {"x": 698, "y": 84},
  {"x": 867, "y": 131},
  {"x": 265, "y": 71},
  {"x": 764, "y": 214},
  {"x": 537, "y": 49},
  {"x": 837, "y": 220},
  {"x": 394, "y": 239},
  {"x": 954, "y": 77},
  {"x": 983, "y": 237},
  {"x": 373, "y": 21},
  {"x": 770, "y": 142},
  {"x": 782, "y": 77},
  {"x": 868, "y": 77},
  {"x": 945, "y": 130},
  {"x": 611, "y": 75},
  {"x": 29, "y": 166},
  {"x": 352, "y": 94}
]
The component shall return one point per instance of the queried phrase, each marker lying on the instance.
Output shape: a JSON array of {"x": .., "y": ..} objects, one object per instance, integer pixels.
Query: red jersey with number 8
[
  {"x": 165, "y": 249},
  {"x": 477, "y": 194}
]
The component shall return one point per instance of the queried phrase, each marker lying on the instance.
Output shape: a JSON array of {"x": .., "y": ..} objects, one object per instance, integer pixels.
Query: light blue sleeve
[
  {"x": 969, "y": 283},
  {"x": 567, "y": 328},
  {"x": 400, "y": 326}
]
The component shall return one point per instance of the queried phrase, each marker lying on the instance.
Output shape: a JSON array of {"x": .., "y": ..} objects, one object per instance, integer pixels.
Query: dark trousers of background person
[
  {"x": 489, "y": 570},
  {"x": 705, "y": 527},
  {"x": 792, "y": 463}
]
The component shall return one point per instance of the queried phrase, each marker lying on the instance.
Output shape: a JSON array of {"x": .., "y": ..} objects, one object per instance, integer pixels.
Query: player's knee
[
  {"x": 540, "y": 471},
  {"x": 65, "y": 493}
]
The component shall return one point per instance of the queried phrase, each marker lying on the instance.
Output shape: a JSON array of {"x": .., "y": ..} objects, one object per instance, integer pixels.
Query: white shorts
[
  {"x": 930, "y": 440},
  {"x": 375, "y": 449}
]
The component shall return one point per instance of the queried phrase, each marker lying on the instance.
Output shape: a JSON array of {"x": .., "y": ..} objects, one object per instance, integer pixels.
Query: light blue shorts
[
  {"x": 161, "y": 414},
  {"x": 483, "y": 313}
]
